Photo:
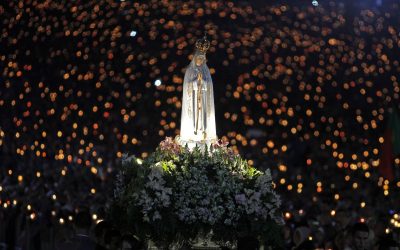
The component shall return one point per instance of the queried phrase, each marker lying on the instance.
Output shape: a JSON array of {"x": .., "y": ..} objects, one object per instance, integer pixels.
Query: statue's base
[{"x": 191, "y": 144}]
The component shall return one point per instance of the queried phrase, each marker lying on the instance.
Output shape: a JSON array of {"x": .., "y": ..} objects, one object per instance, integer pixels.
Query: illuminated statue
[{"x": 198, "y": 113}]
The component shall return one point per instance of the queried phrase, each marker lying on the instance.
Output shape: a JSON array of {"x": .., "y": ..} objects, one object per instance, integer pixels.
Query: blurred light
[
  {"x": 133, "y": 33},
  {"x": 157, "y": 82},
  {"x": 61, "y": 220},
  {"x": 315, "y": 3},
  {"x": 94, "y": 216}
]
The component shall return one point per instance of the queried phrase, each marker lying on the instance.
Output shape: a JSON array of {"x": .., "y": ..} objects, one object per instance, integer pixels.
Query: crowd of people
[{"x": 302, "y": 88}]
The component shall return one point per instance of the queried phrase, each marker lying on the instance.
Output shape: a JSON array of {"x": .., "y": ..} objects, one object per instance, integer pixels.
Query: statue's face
[{"x": 199, "y": 60}]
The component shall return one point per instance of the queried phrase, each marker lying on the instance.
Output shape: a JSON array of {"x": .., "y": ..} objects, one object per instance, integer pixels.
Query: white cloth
[{"x": 197, "y": 106}]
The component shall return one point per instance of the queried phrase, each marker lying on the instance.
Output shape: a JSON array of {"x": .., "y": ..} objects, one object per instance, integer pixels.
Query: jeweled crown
[{"x": 203, "y": 45}]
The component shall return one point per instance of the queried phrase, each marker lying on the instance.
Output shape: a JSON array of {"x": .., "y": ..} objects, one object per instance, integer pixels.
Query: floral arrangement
[{"x": 177, "y": 194}]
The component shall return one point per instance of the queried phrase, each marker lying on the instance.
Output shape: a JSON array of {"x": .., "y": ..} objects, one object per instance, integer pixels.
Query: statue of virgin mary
[{"x": 198, "y": 113}]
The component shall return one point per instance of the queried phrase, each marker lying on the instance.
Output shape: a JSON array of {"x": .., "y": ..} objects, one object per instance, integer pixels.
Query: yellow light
[
  {"x": 362, "y": 204},
  {"x": 29, "y": 207},
  {"x": 61, "y": 220},
  {"x": 282, "y": 168},
  {"x": 70, "y": 218},
  {"x": 337, "y": 197},
  {"x": 20, "y": 178},
  {"x": 94, "y": 216},
  {"x": 93, "y": 170},
  {"x": 93, "y": 191},
  {"x": 387, "y": 230},
  {"x": 32, "y": 216},
  {"x": 287, "y": 215},
  {"x": 333, "y": 213},
  {"x": 54, "y": 197}
]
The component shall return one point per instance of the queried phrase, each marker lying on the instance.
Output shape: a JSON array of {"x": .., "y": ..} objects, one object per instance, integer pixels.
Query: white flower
[
  {"x": 240, "y": 199},
  {"x": 156, "y": 216}
]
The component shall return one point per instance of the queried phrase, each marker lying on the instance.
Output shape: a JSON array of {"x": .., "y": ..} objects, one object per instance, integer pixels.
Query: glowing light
[
  {"x": 133, "y": 32},
  {"x": 315, "y": 3},
  {"x": 157, "y": 82}
]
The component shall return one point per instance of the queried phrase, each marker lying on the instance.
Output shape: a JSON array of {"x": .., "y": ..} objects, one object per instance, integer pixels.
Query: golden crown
[{"x": 203, "y": 45}]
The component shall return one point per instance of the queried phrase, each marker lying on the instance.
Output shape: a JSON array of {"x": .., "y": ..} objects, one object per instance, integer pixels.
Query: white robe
[{"x": 206, "y": 130}]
